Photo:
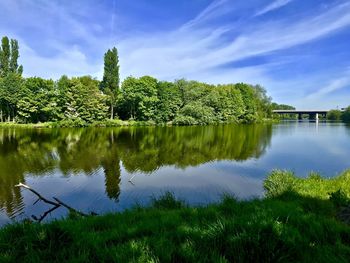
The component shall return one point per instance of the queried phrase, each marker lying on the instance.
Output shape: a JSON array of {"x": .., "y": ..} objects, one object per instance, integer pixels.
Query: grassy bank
[
  {"x": 106, "y": 123},
  {"x": 298, "y": 221},
  {"x": 77, "y": 123}
]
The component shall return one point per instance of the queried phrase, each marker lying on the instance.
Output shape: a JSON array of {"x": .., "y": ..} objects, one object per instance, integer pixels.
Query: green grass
[
  {"x": 70, "y": 123},
  {"x": 296, "y": 222}
]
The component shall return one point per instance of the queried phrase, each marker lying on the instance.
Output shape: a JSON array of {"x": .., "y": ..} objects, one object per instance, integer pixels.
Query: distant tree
[
  {"x": 346, "y": 115},
  {"x": 334, "y": 115},
  {"x": 110, "y": 82},
  {"x": 276, "y": 106}
]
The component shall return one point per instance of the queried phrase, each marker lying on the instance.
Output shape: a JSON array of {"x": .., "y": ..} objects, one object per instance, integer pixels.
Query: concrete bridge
[{"x": 313, "y": 114}]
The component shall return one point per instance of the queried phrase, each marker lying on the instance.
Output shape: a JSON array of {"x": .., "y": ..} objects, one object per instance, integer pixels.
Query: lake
[{"x": 112, "y": 169}]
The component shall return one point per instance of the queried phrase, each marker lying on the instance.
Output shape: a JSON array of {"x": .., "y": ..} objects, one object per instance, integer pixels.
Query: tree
[
  {"x": 10, "y": 93},
  {"x": 38, "y": 101},
  {"x": 346, "y": 115},
  {"x": 83, "y": 99},
  {"x": 9, "y": 54},
  {"x": 13, "y": 66},
  {"x": 5, "y": 55},
  {"x": 334, "y": 115},
  {"x": 169, "y": 98},
  {"x": 110, "y": 82},
  {"x": 139, "y": 97}
]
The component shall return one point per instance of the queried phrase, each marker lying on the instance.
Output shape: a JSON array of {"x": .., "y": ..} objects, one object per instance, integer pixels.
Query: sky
[{"x": 298, "y": 50}]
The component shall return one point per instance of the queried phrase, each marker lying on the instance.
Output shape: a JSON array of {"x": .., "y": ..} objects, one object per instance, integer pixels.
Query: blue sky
[{"x": 299, "y": 50}]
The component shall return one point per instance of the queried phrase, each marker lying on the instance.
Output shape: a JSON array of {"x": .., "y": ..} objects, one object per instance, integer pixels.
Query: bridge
[{"x": 313, "y": 114}]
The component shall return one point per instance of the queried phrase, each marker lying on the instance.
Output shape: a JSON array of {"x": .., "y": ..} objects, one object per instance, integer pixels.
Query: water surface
[{"x": 90, "y": 168}]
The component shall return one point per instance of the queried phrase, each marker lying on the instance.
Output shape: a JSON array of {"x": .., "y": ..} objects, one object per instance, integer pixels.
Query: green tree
[
  {"x": 5, "y": 54},
  {"x": 83, "y": 99},
  {"x": 13, "y": 66},
  {"x": 169, "y": 101},
  {"x": 346, "y": 115},
  {"x": 110, "y": 82},
  {"x": 38, "y": 101},
  {"x": 140, "y": 97},
  {"x": 250, "y": 113},
  {"x": 334, "y": 115},
  {"x": 10, "y": 92}
]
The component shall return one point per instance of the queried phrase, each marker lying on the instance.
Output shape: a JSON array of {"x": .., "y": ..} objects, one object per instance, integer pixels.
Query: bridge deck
[{"x": 301, "y": 111}]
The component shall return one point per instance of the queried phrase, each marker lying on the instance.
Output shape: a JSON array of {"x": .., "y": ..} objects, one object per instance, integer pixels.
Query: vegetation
[
  {"x": 79, "y": 101},
  {"x": 276, "y": 106},
  {"x": 346, "y": 115},
  {"x": 334, "y": 115},
  {"x": 296, "y": 222},
  {"x": 338, "y": 115}
]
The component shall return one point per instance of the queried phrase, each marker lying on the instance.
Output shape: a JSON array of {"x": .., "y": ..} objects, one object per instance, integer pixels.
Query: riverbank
[
  {"x": 109, "y": 123},
  {"x": 299, "y": 220}
]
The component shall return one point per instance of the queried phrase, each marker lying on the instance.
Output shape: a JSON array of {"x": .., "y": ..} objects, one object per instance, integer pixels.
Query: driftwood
[{"x": 56, "y": 204}]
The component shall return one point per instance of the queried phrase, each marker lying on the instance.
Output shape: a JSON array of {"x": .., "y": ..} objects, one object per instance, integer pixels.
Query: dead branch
[
  {"x": 69, "y": 207},
  {"x": 56, "y": 204},
  {"x": 36, "y": 193}
]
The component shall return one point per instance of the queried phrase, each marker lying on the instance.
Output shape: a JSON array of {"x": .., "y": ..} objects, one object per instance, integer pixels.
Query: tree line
[
  {"x": 339, "y": 115},
  {"x": 86, "y": 99}
]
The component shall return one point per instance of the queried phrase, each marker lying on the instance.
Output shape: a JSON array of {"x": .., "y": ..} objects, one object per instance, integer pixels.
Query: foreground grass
[{"x": 296, "y": 222}]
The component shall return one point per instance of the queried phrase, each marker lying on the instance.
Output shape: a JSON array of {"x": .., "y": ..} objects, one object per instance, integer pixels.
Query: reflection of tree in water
[
  {"x": 111, "y": 167},
  {"x": 73, "y": 151},
  {"x": 21, "y": 152},
  {"x": 147, "y": 149}
]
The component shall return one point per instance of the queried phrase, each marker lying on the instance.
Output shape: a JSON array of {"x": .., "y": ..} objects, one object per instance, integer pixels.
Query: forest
[{"x": 78, "y": 101}]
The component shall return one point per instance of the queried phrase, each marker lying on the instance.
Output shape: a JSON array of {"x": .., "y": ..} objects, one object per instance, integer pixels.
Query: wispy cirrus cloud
[
  {"x": 181, "y": 52},
  {"x": 274, "y": 5},
  {"x": 65, "y": 39}
]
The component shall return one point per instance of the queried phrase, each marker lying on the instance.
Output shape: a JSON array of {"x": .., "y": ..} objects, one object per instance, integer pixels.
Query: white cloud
[
  {"x": 198, "y": 49},
  {"x": 183, "y": 52},
  {"x": 274, "y": 5},
  {"x": 71, "y": 62},
  {"x": 211, "y": 11}
]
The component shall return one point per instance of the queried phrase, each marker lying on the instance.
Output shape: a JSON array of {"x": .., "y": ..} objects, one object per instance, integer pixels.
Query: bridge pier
[
  {"x": 313, "y": 116},
  {"x": 300, "y": 116}
]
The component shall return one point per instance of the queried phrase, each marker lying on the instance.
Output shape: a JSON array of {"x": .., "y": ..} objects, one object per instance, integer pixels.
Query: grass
[
  {"x": 296, "y": 222},
  {"x": 77, "y": 123},
  {"x": 71, "y": 123}
]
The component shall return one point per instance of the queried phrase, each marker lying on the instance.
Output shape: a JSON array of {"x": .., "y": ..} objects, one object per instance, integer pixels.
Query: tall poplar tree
[
  {"x": 4, "y": 56},
  {"x": 13, "y": 65},
  {"x": 110, "y": 82},
  {"x": 9, "y": 54}
]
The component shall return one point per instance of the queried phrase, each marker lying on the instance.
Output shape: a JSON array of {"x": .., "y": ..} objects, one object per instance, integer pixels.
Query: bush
[
  {"x": 71, "y": 123},
  {"x": 184, "y": 120}
]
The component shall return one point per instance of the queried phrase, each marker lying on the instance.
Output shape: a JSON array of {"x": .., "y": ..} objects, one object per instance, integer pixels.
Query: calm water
[{"x": 90, "y": 168}]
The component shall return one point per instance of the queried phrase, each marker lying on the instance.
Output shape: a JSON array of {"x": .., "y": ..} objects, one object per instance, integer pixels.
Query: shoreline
[
  {"x": 299, "y": 219},
  {"x": 115, "y": 123}
]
